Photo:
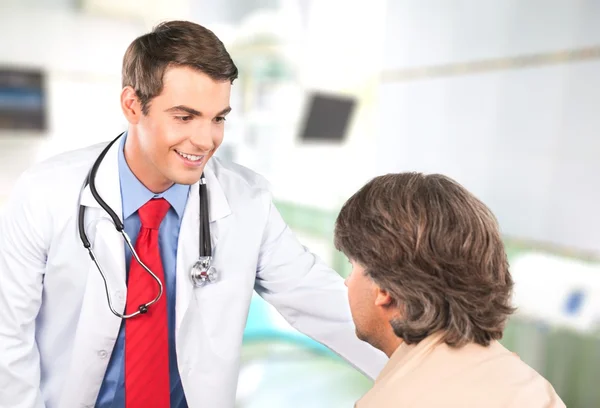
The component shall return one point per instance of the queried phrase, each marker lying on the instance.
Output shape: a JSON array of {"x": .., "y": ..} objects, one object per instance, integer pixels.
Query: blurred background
[{"x": 501, "y": 95}]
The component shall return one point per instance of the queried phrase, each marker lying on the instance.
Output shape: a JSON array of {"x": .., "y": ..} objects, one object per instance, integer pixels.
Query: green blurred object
[{"x": 569, "y": 360}]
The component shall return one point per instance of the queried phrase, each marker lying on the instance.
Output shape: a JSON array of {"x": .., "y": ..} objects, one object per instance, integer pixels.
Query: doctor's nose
[
  {"x": 203, "y": 146},
  {"x": 203, "y": 141}
]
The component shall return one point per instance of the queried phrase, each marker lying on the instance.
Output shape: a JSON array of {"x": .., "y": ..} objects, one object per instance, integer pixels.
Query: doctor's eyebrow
[{"x": 194, "y": 112}]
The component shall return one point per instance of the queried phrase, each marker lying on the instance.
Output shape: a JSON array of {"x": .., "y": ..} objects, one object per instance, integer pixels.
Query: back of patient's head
[{"x": 436, "y": 249}]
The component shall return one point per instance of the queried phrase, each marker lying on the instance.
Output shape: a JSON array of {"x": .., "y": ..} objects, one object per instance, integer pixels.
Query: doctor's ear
[{"x": 130, "y": 104}]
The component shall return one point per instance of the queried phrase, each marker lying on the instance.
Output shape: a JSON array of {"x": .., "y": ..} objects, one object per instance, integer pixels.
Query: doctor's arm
[
  {"x": 22, "y": 263},
  {"x": 309, "y": 295}
]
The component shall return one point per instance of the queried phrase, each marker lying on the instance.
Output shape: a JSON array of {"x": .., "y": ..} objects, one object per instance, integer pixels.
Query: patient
[{"x": 430, "y": 287}]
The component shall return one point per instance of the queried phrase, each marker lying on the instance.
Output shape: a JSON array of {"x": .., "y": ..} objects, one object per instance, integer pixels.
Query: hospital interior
[{"x": 502, "y": 96}]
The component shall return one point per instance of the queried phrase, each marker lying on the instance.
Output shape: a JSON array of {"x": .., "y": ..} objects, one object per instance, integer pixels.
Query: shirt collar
[{"x": 134, "y": 194}]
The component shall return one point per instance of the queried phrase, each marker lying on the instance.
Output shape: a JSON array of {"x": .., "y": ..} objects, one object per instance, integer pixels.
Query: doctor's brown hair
[
  {"x": 436, "y": 249},
  {"x": 173, "y": 43}
]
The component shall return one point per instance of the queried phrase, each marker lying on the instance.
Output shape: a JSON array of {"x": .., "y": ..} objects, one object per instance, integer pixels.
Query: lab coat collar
[
  {"x": 107, "y": 183},
  {"x": 218, "y": 206}
]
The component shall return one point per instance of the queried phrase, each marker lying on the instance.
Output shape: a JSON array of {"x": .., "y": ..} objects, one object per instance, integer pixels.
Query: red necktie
[{"x": 146, "y": 337}]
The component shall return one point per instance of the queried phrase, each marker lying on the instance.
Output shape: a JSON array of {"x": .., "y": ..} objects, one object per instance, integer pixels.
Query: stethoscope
[{"x": 202, "y": 271}]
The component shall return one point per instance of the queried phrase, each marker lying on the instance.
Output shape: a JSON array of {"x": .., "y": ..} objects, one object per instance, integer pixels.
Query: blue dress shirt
[{"x": 133, "y": 195}]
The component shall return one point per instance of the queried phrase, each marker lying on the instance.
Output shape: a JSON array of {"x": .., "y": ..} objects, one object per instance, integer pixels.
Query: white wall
[
  {"x": 81, "y": 56},
  {"x": 228, "y": 11},
  {"x": 46, "y": 4},
  {"x": 524, "y": 140},
  {"x": 340, "y": 51}
]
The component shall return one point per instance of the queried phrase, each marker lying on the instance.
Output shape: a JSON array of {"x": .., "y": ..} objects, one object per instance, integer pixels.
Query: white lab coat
[{"x": 57, "y": 332}]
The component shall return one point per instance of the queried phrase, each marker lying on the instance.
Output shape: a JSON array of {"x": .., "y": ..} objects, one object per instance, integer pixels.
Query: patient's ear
[{"x": 383, "y": 298}]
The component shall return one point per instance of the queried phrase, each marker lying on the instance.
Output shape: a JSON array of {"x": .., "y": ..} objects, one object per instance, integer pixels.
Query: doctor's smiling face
[
  {"x": 176, "y": 90},
  {"x": 182, "y": 129}
]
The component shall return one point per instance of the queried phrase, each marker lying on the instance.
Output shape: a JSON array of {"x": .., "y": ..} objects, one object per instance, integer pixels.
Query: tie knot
[{"x": 152, "y": 213}]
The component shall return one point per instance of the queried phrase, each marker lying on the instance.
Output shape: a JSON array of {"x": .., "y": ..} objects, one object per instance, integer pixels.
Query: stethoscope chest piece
[{"x": 203, "y": 272}]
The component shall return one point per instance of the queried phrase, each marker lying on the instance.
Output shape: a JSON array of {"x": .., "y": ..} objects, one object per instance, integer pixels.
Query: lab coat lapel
[
  {"x": 98, "y": 327},
  {"x": 107, "y": 183},
  {"x": 106, "y": 237},
  {"x": 188, "y": 248}
]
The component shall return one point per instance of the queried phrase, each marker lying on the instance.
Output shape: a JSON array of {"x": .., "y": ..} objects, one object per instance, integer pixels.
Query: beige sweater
[{"x": 432, "y": 374}]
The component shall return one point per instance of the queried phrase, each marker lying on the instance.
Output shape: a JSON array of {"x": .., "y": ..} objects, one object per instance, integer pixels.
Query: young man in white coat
[{"x": 63, "y": 339}]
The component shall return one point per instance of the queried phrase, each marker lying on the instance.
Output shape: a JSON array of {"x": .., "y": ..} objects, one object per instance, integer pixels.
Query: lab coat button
[{"x": 102, "y": 354}]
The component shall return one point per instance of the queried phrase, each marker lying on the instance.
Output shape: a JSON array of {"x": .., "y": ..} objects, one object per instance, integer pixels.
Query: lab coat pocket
[{"x": 223, "y": 307}]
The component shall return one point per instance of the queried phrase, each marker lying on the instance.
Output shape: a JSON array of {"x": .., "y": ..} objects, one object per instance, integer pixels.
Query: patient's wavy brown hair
[{"x": 437, "y": 250}]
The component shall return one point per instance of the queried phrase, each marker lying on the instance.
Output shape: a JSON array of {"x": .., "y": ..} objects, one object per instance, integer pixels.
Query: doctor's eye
[
  {"x": 186, "y": 118},
  {"x": 220, "y": 119}
]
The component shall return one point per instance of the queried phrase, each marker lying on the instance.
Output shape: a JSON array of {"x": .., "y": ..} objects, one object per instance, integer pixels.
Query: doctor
[{"x": 67, "y": 334}]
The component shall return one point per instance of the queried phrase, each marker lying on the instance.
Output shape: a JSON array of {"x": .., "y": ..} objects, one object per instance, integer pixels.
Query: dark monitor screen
[
  {"x": 328, "y": 117},
  {"x": 22, "y": 100}
]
